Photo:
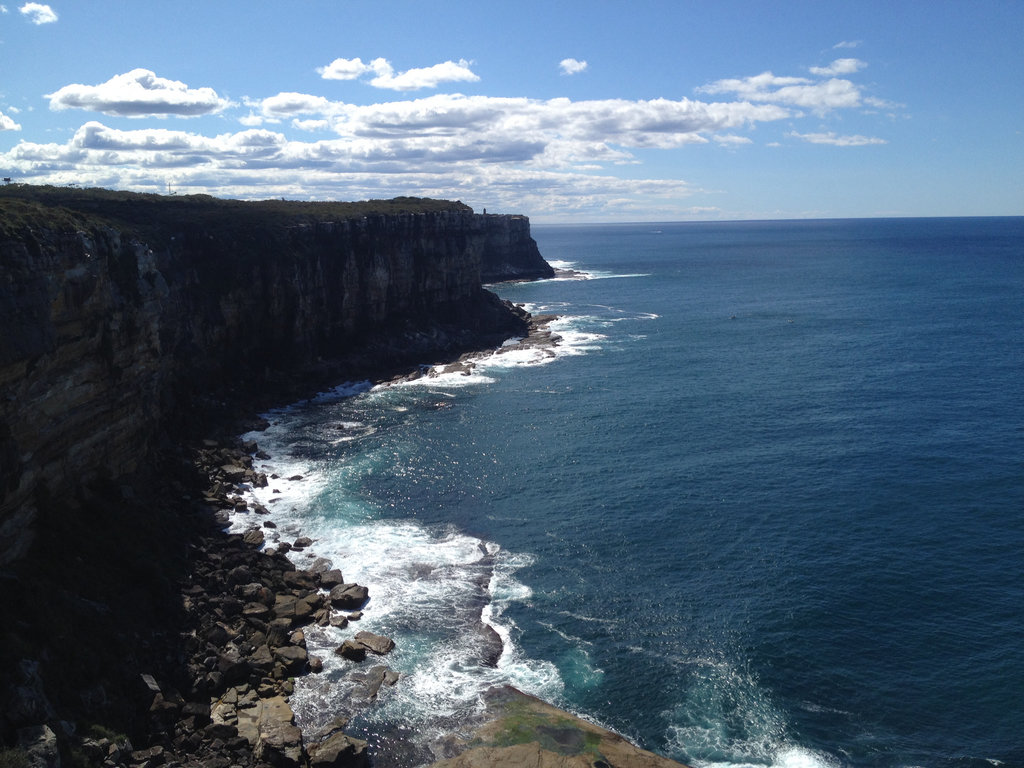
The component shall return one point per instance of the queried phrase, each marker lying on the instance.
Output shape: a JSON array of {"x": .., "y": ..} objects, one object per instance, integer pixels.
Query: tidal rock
[
  {"x": 375, "y": 643},
  {"x": 330, "y": 579},
  {"x": 338, "y": 751},
  {"x": 349, "y": 596},
  {"x": 351, "y": 650}
]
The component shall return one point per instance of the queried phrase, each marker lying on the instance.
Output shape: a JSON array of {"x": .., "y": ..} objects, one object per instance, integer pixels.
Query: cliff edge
[{"x": 127, "y": 317}]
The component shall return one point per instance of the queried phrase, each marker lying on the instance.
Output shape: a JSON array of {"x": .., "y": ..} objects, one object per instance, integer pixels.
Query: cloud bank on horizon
[{"x": 591, "y": 156}]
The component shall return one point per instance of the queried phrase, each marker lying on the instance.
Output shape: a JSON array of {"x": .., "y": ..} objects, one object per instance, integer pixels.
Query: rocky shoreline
[{"x": 216, "y": 692}]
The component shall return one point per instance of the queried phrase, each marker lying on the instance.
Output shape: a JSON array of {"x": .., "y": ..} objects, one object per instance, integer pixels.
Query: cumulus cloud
[
  {"x": 38, "y": 13},
  {"x": 820, "y": 97},
  {"x": 139, "y": 93},
  {"x": 385, "y": 76},
  {"x": 839, "y": 67},
  {"x": 513, "y": 152},
  {"x": 260, "y": 163},
  {"x": 8, "y": 124},
  {"x": 464, "y": 119},
  {"x": 346, "y": 69},
  {"x": 572, "y": 66},
  {"x": 820, "y": 94},
  {"x": 836, "y": 140}
]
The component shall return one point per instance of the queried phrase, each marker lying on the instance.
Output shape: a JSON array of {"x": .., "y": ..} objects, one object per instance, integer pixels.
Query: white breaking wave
[
  {"x": 726, "y": 720},
  {"x": 432, "y": 589},
  {"x": 569, "y": 270}
]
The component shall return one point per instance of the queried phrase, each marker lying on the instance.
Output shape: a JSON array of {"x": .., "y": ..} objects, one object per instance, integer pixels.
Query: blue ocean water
[{"x": 764, "y": 506}]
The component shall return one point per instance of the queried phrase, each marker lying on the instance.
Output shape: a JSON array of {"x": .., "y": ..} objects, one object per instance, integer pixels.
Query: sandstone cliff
[
  {"x": 123, "y": 316},
  {"x": 511, "y": 253}
]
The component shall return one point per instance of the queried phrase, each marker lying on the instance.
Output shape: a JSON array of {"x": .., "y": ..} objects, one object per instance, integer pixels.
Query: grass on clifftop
[{"x": 144, "y": 215}]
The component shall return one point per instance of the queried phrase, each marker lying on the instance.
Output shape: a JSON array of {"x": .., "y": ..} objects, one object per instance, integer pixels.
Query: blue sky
[{"x": 565, "y": 111}]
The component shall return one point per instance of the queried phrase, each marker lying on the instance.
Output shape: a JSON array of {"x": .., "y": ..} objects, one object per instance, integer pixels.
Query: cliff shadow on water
[{"x": 131, "y": 325}]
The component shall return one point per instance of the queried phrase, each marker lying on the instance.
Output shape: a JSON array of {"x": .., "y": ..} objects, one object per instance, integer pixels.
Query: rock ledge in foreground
[{"x": 522, "y": 731}]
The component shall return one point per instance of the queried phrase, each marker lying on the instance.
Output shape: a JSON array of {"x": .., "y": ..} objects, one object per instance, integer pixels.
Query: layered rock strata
[{"x": 109, "y": 339}]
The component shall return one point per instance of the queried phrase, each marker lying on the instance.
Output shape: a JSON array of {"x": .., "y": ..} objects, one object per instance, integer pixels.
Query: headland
[{"x": 140, "y": 333}]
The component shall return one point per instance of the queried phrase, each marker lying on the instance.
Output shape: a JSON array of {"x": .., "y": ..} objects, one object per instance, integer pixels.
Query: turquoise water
[{"x": 764, "y": 507}]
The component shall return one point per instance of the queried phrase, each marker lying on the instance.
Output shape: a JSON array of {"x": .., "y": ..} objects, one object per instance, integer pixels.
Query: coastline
[{"x": 514, "y": 728}]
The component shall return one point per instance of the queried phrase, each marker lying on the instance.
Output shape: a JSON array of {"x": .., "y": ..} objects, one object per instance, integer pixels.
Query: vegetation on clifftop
[{"x": 147, "y": 215}]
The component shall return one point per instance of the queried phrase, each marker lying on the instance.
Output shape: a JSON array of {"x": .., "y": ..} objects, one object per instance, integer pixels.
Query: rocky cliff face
[
  {"x": 511, "y": 253},
  {"x": 109, "y": 340}
]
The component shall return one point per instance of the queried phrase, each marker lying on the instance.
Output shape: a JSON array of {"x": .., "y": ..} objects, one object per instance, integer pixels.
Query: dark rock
[
  {"x": 280, "y": 741},
  {"x": 375, "y": 643},
  {"x": 293, "y": 658},
  {"x": 240, "y": 574},
  {"x": 338, "y": 751},
  {"x": 301, "y": 579},
  {"x": 349, "y": 596},
  {"x": 330, "y": 579},
  {"x": 40, "y": 746},
  {"x": 351, "y": 650},
  {"x": 253, "y": 537},
  {"x": 262, "y": 658}
]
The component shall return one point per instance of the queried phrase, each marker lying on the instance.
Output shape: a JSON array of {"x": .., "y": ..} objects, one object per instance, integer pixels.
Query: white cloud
[
  {"x": 514, "y": 153},
  {"x": 464, "y": 119},
  {"x": 426, "y": 77},
  {"x": 819, "y": 96},
  {"x": 409, "y": 80},
  {"x": 261, "y": 164},
  {"x": 139, "y": 93},
  {"x": 731, "y": 140},
  {"x": 8, "y": 124},
  {"x": 572, "y": 66},
  {"x": 839, "y": 67},
  {"x": 836, "y": 140},
  {"x": 38, "y": 13},
  {"x": 848, "y": 44},
  {"x": 345, "y": 69}
]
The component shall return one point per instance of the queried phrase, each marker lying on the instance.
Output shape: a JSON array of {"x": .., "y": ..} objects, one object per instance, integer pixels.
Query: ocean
[{"x": 762, "y": 506}]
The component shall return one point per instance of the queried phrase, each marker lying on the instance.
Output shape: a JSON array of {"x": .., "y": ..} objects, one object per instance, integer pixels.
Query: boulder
[
  {"x": 280, "y": 741},
  {"x": 300, "y": 579},
  {"x": 349, "y": 596},
  {"x": 253, "y": 537},
  {"x": 330, "y": 579},
  {"x": 351, "y": 650},
  {"x": 262, "y": 658},
  {"x": 375, "y": 643},
  {"x": 338, "y": 751},
  {"x": 293, "y": 658}
]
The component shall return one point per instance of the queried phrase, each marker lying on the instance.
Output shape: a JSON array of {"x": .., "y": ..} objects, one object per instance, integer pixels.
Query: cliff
[
  {"x": 125, "y": 316},
  {"x": 511, "y": 253}
]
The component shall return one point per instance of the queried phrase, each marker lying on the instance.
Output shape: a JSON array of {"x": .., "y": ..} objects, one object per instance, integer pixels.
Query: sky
[{"x": 566, "y": 111}]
